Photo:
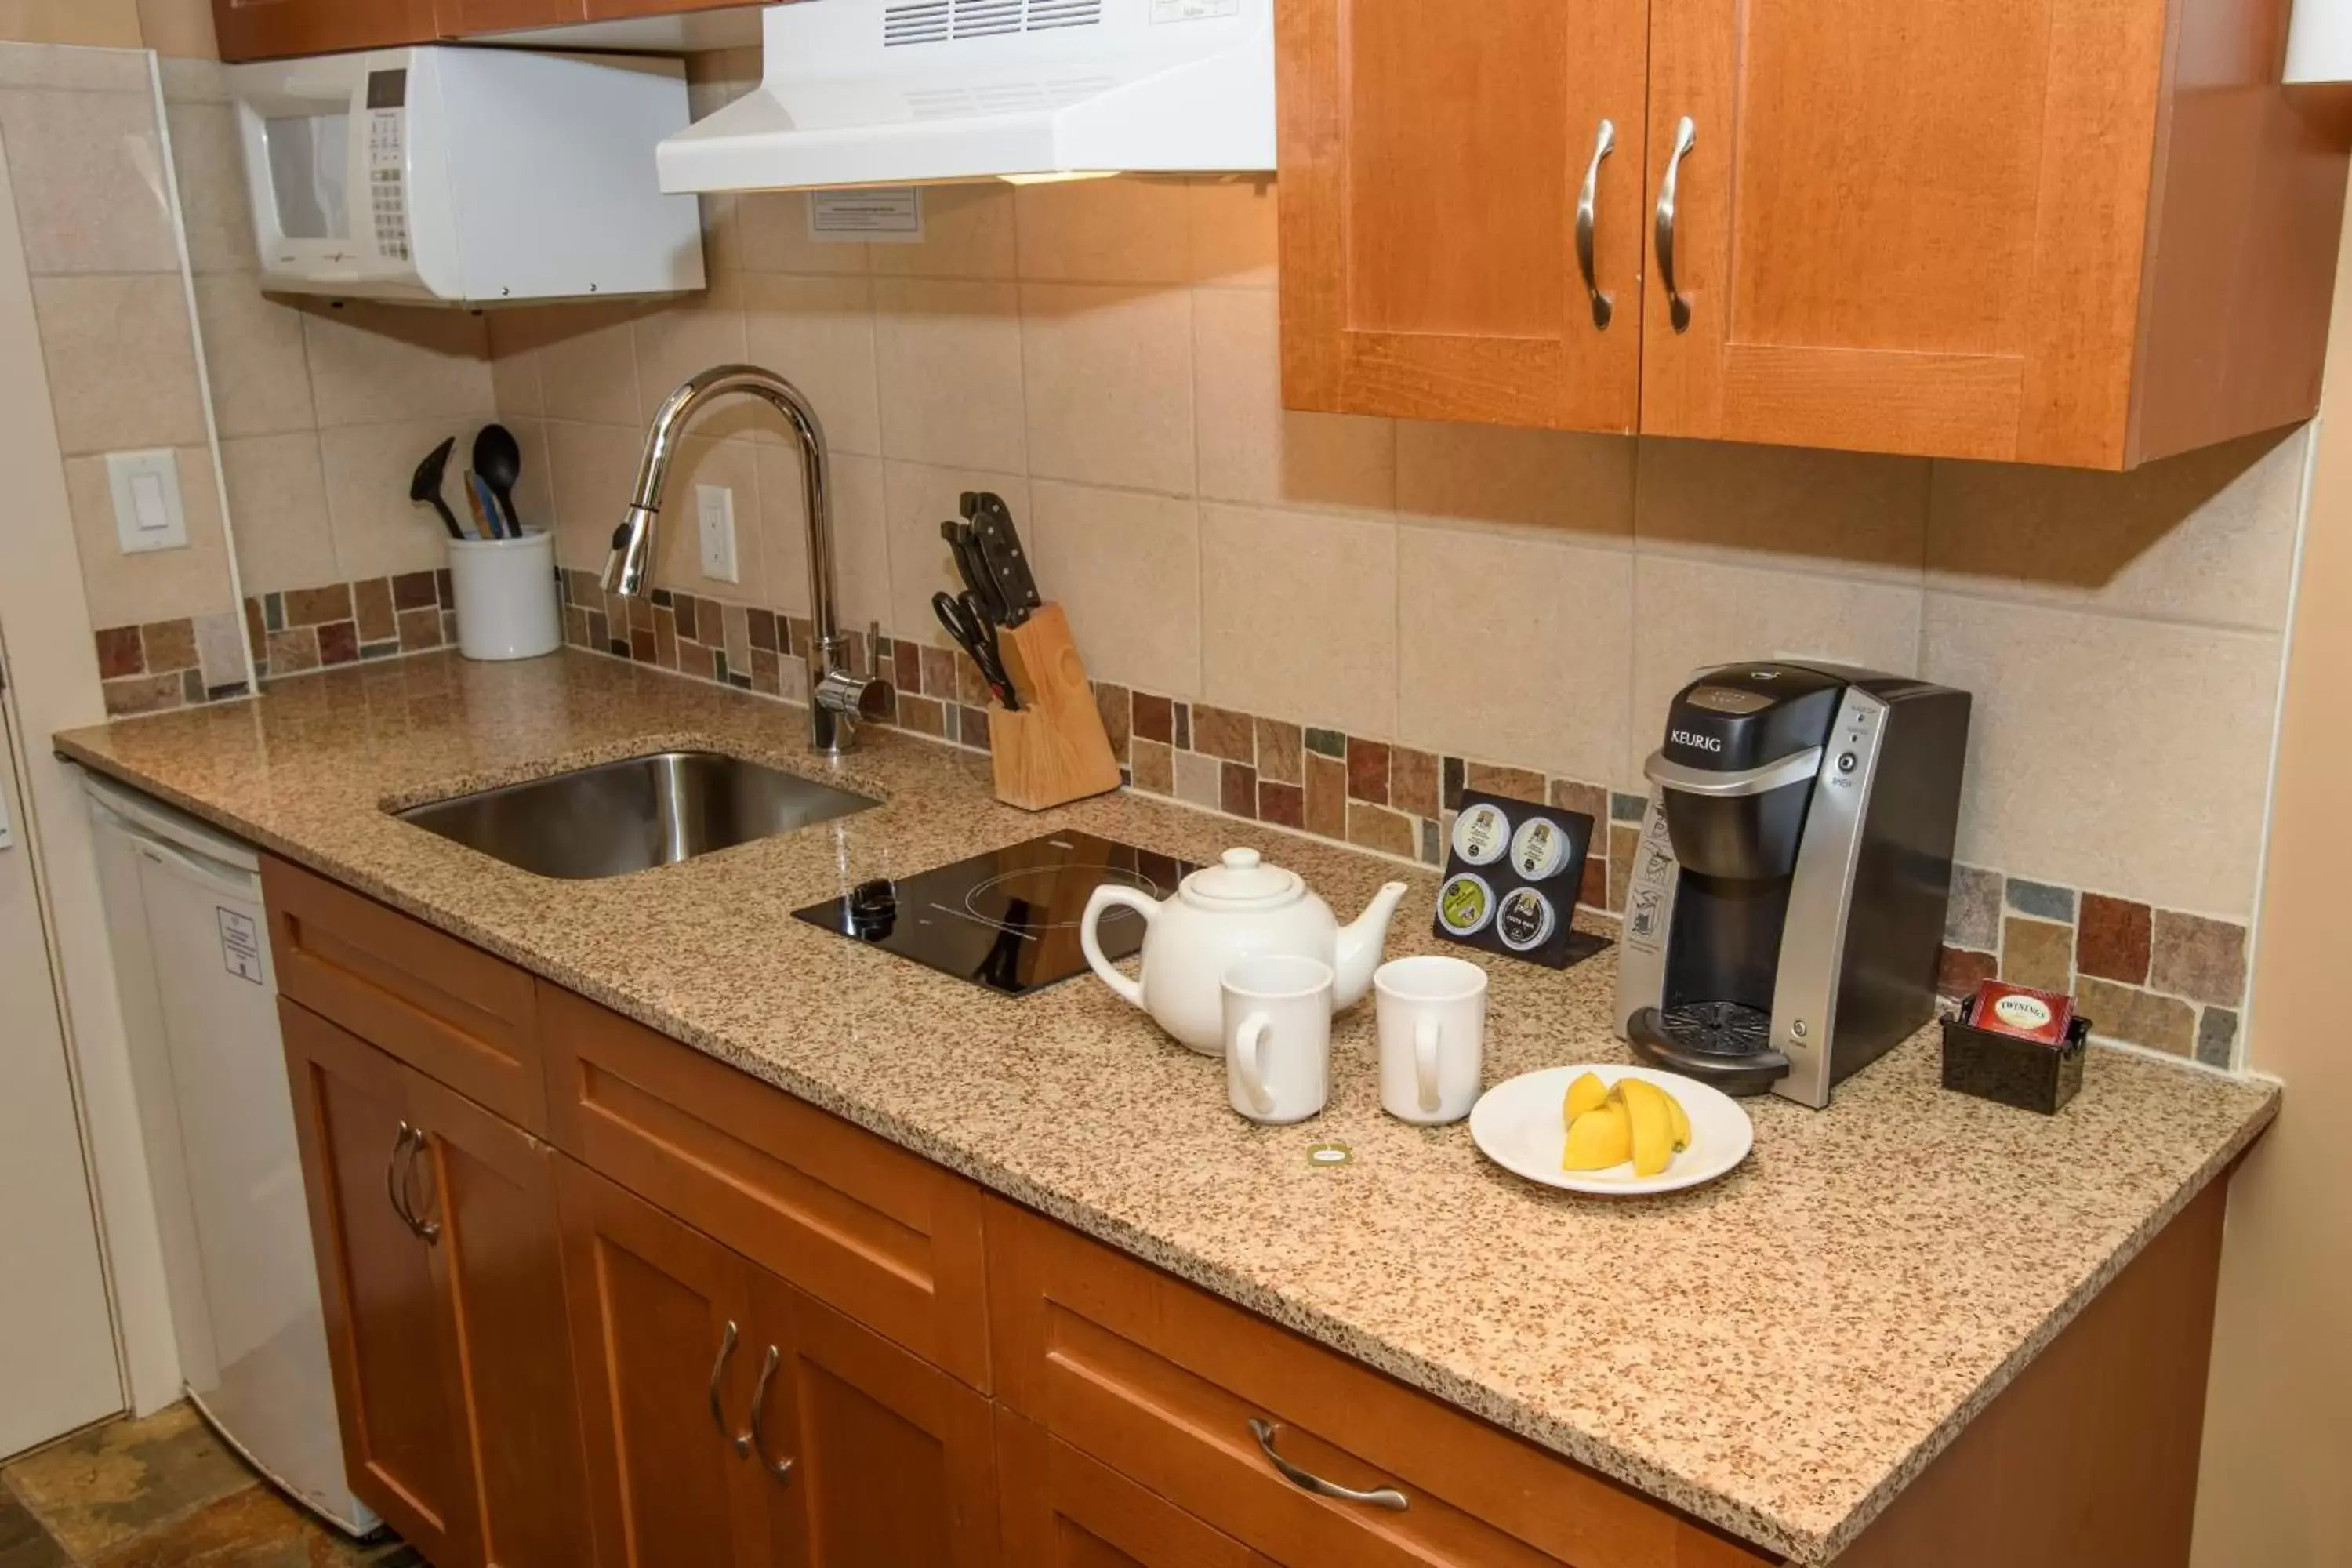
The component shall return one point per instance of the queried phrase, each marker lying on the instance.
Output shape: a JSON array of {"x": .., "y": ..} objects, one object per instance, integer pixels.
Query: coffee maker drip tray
[{"x": 1725, "y": 1044}]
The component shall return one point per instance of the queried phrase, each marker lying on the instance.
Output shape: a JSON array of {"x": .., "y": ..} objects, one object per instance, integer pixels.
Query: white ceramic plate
[{"x": 1517, "y": 1125}]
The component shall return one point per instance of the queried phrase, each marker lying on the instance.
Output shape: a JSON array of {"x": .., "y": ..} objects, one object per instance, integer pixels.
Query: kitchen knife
[
  {"x": 1004, "y": 561},
  {"x": 972, "y": 633},
  {"x": 973, "y": 570}
]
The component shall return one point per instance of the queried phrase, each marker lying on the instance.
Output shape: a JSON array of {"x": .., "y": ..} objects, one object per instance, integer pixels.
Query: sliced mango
[
  {"x": 1586, "y": 1093},
  {"x": 1650, "y": 1124},
  {"x": 1598, "y": 1139}
]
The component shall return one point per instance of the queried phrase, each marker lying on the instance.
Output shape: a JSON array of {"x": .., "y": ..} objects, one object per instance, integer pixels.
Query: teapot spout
[{"x": 1361, "y": 942}]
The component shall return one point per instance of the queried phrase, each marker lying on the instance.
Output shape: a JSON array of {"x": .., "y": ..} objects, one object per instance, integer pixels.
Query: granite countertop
[{"x": 1779, "y": 1353}]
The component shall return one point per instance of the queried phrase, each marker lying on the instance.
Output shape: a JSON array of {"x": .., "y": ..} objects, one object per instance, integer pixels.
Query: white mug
[
  {"x": 1432, "y": 1016},
  {"x": 1277, "y": 1036}
]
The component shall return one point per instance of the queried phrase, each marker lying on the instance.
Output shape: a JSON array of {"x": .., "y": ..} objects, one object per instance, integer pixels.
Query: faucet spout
[{"x": 837, "y": 699}]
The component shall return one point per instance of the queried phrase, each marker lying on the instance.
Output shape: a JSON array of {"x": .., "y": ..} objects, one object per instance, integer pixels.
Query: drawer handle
[
  {"x": 1602, "y": 305},
  {"x": 428, "y": 1231},
  {"x": 742, "y": 1444},
  {"x": 782, "y": 1472},
  {"x": 1308, "y": 1480},
  {"x": 1679, "y": 311}
]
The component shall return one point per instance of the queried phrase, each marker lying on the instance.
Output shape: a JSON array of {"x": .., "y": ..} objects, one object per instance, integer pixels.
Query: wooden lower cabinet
[
  {"x": 734, "y": 1420},
  {"x": 1063, "y": 1509},
  {"x": 435, "y": 1228}
]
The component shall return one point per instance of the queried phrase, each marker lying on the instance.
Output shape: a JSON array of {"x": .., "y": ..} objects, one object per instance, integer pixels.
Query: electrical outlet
[{"x": 714, "y": 507}]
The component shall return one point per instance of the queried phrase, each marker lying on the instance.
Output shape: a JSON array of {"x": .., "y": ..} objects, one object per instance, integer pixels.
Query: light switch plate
[
  {"x": 714, "y": 506},
  {"x": 147, "y": 510}
]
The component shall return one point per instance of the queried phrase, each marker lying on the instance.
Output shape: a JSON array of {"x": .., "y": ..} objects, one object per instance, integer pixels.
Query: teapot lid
[{"x": 1240, "y": 880}]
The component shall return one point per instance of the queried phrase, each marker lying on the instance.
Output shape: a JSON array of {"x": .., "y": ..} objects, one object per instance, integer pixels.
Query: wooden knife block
[{"x": 1053, "y": 751}]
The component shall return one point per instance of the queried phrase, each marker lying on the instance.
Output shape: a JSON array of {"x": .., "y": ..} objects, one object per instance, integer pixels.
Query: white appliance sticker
[
  {"x": 893, "y": 215},
  {"x": 1192, "y": 10},
  {"x": 240, "y": 944}
]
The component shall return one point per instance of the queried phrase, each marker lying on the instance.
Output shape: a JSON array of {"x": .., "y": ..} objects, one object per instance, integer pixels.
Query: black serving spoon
[
  {"x": 425, "y": 486},
  {"x": 499, "y": 462}
]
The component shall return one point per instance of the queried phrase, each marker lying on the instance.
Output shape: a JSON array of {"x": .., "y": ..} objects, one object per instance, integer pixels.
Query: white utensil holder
[{"x": 505, "y": 596}]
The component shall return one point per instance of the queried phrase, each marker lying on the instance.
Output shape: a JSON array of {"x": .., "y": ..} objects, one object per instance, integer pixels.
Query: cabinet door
[
  {"x": 1064, "y": 1509},
  {"x": 490, "y": 1190},
  {"x": 270, "y": 29},
  {"x": 1905, "y": 228},
  {"x": 1433, "y": 157},
  {"x": 461, "y": 17},
  {"x": 884, "y": 1457},
  {"x": 663, "y": 1342},
  {"x": 397, "y": 1395}
]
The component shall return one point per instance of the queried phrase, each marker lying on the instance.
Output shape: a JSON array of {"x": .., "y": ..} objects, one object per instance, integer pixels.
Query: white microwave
[{"x": 473, "y": 176}]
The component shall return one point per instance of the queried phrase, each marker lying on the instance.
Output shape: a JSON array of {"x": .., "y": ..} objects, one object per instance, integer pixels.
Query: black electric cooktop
[{"x": 1007, "y": 920}]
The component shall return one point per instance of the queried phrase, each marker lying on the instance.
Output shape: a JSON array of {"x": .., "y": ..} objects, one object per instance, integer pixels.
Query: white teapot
[{"x": 1236, "y": 908}]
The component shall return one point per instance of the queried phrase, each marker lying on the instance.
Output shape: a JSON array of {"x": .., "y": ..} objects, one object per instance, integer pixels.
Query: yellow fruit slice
[
  {"x": 1681, "y": 1119},
  {"x": 1586, "y": 1093},
  {"x": 1650, "y": 1125},
  {"x": 1597, "y": 1139}
]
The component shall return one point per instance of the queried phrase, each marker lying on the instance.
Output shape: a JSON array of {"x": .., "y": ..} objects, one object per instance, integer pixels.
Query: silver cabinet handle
[
  {"x": 1308, "y": 1480},
  {"x": 1603, "y": 305},
  {"x": 427, "y": 1230},
  {"x": 742, "y": 1442},
  {"x": 1677, "y": 308},
  {"x": 781, "y": 1470},
  {"x": 392, "y": 1183}
]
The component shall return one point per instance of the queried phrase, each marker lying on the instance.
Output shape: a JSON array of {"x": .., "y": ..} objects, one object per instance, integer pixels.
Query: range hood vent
[{"x": 885, "y": 92}]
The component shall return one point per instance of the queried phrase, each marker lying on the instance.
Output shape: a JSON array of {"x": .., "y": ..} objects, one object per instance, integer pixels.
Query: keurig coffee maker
[{"x": 1789, "y": 890}]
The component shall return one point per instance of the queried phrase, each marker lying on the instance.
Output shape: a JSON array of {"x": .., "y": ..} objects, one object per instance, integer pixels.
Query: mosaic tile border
[{"x": 2167, "y": 980}]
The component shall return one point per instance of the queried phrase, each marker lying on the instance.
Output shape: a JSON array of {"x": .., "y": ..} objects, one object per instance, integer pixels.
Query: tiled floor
[{"x": 164, "y": 1492}]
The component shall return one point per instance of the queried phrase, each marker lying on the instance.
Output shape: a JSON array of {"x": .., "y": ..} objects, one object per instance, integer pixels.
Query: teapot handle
[{"x": 1105, "y": 895}]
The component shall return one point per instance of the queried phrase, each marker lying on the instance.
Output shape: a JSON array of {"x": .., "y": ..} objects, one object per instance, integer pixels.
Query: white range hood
[{"x": 894, "y": 92}]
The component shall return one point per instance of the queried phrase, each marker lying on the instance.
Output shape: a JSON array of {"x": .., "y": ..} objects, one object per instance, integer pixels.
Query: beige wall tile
[
  {"x": 2206, "y": 536},
  {"x": 178, "y": 27},
  {"x": 678, "y": 341},
  {"x": 534, "y": 489},
  {"x": 1512, "y": 646},
  {"x": 210, "y": 171},
  {"x": 122, "y": 366},
  {"x": 254, "y": 352},
  {"x": 371, "y": 363},
  {"x": 588, "y": 363},
  {"x": 1484, "y": 473},
  {"x": 190, "y": 79},
  {"x": 1109, "y": 381},
  {"x": 967, "y": 233},
  {"x": 1298, "y": 615},
  {"x": 110, "y": 61},
  {"x": 1123, "y": 230},
  {"x": 592, "y": 468},
  {"x": 732, "y": 465},
  {"x": 277, "y": 511},
  {"x": 378, "y": 529},
  {"x": 1234, "y": 227},
  {"x": 2126, "y": 755},
  {"x": 771, "y": 230},
  {"x": 861, "y": 543},
  {"x": 1835, "y": 510},
  {"x": 1127, "y": 567},
  {"x": 947, "y": 356},
  {"x": 87, "y": 170},
  {"x": 1689, "y": 613},
  {"x": 516, "y": 338},
  {"x": 919, "y": 499},
  {"x": 818, "y": 333},
  {"x": 157, "y": 584},
  {"x": 1251, "y": 448}
]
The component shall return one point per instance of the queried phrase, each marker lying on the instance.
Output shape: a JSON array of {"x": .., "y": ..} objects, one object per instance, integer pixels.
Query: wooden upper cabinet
[
  {"x": 272, "y": 29},
  {"x": 1433, "y": 157},
  {"x": 2076, "y": 232}
]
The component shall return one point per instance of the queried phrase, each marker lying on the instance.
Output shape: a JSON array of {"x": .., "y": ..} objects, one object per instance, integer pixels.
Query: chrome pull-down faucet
[{"x": 836, "y": 697}]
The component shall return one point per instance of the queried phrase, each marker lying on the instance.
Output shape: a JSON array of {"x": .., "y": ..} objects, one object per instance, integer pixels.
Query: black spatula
[{"x": 425, "y": 486}]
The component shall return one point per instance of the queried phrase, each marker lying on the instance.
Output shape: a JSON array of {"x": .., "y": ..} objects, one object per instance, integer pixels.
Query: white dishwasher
[{"x": 200, "y": 1005}]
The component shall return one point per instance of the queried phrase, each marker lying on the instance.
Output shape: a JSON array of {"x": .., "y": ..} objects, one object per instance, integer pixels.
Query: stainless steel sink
[{"x": 619, "y": 817}]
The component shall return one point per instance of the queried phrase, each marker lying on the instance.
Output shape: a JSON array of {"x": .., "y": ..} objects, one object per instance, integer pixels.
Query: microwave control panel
[{"x": 387, "y": 159}]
